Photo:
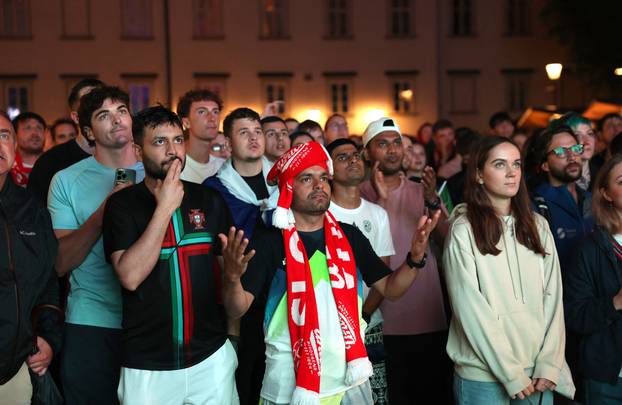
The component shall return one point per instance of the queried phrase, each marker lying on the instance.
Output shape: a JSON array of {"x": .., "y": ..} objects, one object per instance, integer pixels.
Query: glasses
[{"x": 563, "y": 152}]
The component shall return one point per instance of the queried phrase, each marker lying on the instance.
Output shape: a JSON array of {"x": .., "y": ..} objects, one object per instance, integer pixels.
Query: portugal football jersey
[{"x": 175, "y": 318}]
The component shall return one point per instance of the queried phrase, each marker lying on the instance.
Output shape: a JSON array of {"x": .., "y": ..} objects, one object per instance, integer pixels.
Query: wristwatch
[
  {"x": 416, "y": 265},
  {"x": 434, "y": 205}
]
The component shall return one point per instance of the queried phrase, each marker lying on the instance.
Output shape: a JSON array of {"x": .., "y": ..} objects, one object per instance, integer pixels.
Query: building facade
[{"x": 413, "y": 59}]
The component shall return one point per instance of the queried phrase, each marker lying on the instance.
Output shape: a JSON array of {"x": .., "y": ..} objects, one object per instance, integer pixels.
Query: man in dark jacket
[{"x": 27, "y": 280}]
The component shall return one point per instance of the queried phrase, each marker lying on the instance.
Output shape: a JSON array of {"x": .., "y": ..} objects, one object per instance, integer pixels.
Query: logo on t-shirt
[
  {"x": 367, "y": 226},
  {"x": 197, "y": 218}
]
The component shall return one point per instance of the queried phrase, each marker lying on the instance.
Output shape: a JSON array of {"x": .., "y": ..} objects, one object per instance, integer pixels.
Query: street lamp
[
  {"x": 554, "y": 72},
  {"x": 618, "y": 71}
]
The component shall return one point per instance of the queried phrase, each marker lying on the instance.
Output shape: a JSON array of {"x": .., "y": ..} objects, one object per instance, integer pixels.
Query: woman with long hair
[
  {"x": 506, "y": 337},
  {"x": 593, "y": 291}
]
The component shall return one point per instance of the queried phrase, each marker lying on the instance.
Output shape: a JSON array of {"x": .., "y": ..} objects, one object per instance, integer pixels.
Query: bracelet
[{"x": 416, "y": 265}]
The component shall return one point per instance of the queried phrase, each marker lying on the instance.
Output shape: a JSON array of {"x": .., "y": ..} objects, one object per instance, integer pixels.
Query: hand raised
[
  {"x": 170, "y": 192},
  {"x": 378, "y": 182},
  {"x": 233, "y": 247},
  {"x": 422, "y": 234},
  {"x": 429, "y": 184}
]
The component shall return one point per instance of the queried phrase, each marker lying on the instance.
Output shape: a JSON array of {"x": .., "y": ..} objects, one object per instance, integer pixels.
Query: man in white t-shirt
[
  {"x": 199, "y": 111},
  {"x": 373, "y": 221}
]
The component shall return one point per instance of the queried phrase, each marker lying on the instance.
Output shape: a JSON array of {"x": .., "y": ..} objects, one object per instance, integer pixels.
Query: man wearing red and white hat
[{"x": 312, "y": 268}]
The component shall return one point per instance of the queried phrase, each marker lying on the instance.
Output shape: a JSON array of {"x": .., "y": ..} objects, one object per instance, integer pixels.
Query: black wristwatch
[
  {"x": 416, "y": 265},
  {"x": 436, "y": 204}
]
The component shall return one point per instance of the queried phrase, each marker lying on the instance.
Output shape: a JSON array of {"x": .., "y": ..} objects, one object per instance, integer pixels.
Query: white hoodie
[{"x": 508, "y": 319}]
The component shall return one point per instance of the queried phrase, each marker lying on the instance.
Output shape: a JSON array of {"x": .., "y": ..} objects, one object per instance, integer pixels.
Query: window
[
  {"x": 274, "y": 21},
  {"x": 402, "y": 91},
  {"x": 137, "y": 19},
  {"x": 463, "y": 91},
  {"x": 517, "y": 88},
  {"x": 517, "y": 14},
  {"x": 214, "y": 82},
  {"x": 140, "y": 89},
  {"x": 275, "y": 87},
  {"x": 340, "y": 86},
  {"x": 70, "y": 80},
  {"x": 16, "y": 94},
  {"x": 401, "y": 14},
  {"x": 339, "y": 25},
  {"x": 462, "y": 18},
  {"x": 76, "y": 18},
  {"x": 207, "y": 19},
  {"x": 15, "y": 19}
]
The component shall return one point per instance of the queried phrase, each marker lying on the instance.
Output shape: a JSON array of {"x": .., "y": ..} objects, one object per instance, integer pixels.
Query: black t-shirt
[
  {"x": 270, "y": 256},
  {"x": 175, "y": 318},
  {"x": 51, "y": 162},
  {"x": 257, "y": 183}
]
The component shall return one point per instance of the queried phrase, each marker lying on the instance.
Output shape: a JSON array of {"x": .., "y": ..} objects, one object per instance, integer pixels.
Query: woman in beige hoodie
[{"x": 506, "y": 337}]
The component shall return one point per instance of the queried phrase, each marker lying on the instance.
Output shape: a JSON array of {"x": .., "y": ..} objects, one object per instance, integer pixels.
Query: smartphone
[{"x": 123, "y": 176}]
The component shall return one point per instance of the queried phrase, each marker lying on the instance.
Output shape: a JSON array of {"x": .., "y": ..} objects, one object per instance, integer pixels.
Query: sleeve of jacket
[
  {"x": 474, "y": 315},
  {"x": 550, "y": 359},
  {"x": 49, "y": 321},
  {"x": 586, "y": 311}
]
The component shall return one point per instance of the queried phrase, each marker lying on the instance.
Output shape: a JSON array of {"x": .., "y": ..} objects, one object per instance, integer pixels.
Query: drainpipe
[{"x": 167, "y": 55}]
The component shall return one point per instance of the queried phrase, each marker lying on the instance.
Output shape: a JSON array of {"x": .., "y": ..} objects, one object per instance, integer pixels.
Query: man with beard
[
  {"x": 30, "y": 129},
  {"x": 277, "y": 137},
  {"x": 199, "y": 111},
  {"x": 311, "y": 269},
  {"x": 161, "y": 238},
  {"x": 559, "y": 199},
  {"x": 372, "y": 220},
  {"x": 91, "y": 348},
  {"x": 242, "y": 183},
  {"x": 415, "y": 327}
]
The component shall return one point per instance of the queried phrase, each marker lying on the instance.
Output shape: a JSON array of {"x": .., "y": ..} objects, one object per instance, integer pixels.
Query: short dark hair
[
  {"x": 309, "y": 125},
  {"x": 337, "y": 143},
  {"x": 465, "y": 138},
  {"x": 74, "y": 94},
  {"x": 290, "y": 119},
  {"x": 271, "y": 118},
  {"x": 238, "y": 114},
  {"x": 297, "y": 134},
  {"x": 615, "y": 147},
  {"x": 499, "y": 117},
  {"x": 152, "y": 117},
  {"x": 441, "y": 124},
  {"x": 28, "y": 116},
  {"x": 93, "y": 100},
  {"x": 601, "y": 122},
  {"x": 543, "y": 141},
  {"x": 62, "y": 121},
  {"x": 185, "y": 101}
]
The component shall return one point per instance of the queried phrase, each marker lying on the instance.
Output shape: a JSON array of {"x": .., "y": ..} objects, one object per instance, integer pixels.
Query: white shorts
[{"x": 212, "y": 381}]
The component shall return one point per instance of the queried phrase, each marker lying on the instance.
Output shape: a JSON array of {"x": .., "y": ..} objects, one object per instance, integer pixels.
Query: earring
[{"x": 481, "y": 181}]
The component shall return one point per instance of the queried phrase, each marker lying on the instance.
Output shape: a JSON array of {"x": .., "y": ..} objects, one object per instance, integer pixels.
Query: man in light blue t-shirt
[{"x": 90, "y": 362}]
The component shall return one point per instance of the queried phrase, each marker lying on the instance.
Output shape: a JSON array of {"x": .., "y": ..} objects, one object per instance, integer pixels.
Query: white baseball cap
[{"x": 384, "y": 124}]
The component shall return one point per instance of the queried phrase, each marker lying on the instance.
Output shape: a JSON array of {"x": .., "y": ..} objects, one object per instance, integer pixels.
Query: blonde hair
[{"x": 604, "y": 211}]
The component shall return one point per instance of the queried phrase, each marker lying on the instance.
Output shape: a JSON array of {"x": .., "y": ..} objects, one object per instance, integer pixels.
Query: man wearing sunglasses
[{"x": 567, "y": 206}]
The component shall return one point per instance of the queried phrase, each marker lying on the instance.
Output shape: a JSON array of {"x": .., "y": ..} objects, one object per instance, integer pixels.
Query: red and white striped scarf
[{"x": 303, "y": 321}]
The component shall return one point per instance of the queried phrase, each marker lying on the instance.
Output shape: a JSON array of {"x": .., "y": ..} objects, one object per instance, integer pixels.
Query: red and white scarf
[
  {"x": 304, "y": 326},
  {"x": 20, "y": 172}
]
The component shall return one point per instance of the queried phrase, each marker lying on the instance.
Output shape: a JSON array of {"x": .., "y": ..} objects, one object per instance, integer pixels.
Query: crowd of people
[{"x": 149, "y": 258}]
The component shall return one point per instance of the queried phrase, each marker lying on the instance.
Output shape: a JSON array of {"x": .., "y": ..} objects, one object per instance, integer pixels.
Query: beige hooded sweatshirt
[{"x": 508, "y": 319}]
